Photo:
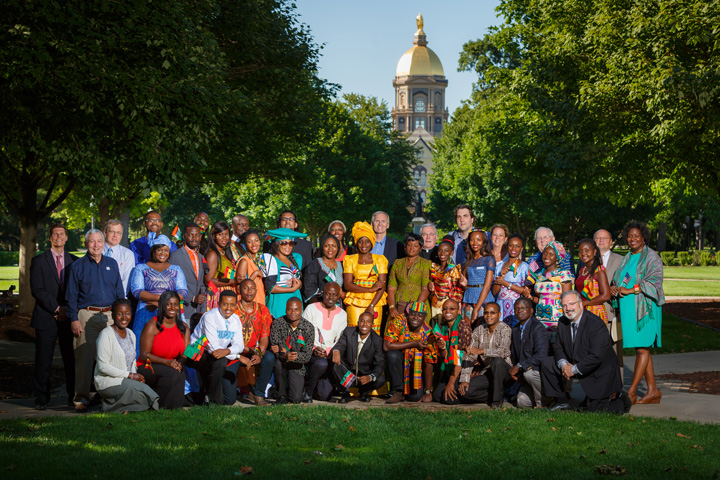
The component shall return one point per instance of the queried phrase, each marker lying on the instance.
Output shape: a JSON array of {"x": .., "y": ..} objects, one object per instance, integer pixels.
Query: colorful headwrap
[
  {"x": 363, "y": 229},
  {"x": 159, "y": 240},
  {"x": 560, "y": 251},
  {"x": 419, "y": 307}
]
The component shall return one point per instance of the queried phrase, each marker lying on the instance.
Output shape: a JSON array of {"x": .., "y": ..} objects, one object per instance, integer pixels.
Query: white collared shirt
[
  {"x": 125, "y": 260},
  {"x": 606, "y": 258}
]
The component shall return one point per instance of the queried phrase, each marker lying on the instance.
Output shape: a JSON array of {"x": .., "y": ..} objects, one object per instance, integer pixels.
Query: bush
[
  {"x": 668, "y": 258},
  {"x": 684, "y": 258},
  {"x": 9, "y": 258},
  {"x": 696, "y": 258},
  {"x": 706, "y": 258}
]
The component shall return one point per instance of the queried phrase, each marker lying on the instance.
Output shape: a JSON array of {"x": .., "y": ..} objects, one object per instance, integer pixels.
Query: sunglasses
[{"x": 284, "y": 244}]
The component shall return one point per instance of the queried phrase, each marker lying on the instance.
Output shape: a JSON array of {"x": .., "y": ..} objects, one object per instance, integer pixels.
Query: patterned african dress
[
  {"x": 446, "y": 283},
  {"x": 225, "y": 269},
  {"x": 145, "y": 278},
  {"x": 364, "y": 276},
  {"x": 516, "y": 275},
  {"x": 409, "y": 281},
  {"x": 398, "y": 331},
  {"x": 589, "y": 288},
  {"x": 280, "y": 274},
  {"x": 548, "y": 286}
]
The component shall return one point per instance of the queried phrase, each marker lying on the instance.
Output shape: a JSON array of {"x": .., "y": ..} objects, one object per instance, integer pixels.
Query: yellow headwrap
[{"x": 363, "y": 229}]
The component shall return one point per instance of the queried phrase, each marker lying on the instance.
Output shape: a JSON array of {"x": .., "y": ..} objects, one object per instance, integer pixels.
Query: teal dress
[
  {"x": 650, "y": 333},
  {"x": 277, "y": 273}
]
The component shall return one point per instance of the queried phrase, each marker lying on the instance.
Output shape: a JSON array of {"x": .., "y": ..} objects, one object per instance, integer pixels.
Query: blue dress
[
  {"x": 476, "y": 273},
  {"x": 150, "y": 280}
]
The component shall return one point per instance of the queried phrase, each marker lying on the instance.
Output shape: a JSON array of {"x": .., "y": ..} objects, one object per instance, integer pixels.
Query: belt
[
  {"x": 474, "y": 286},
  {"x": 99, "y": 309}
]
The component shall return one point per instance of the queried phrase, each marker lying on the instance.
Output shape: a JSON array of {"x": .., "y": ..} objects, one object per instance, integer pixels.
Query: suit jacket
[
  {"x": 393, "y": 251},
  {"x": 614, "y": 263},
  {"x": 372, "y": 358},
  {"x": 45, "y": 289},
  {"x": 592, "y": 353},
  {"x": 531, "y": 348},
  {"x": 196, "y": 286},
  {"x": 430, "y": 254}
]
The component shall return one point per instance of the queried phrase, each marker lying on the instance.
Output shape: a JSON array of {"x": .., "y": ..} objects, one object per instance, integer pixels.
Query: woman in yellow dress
[{"x": 364, "y": 278}]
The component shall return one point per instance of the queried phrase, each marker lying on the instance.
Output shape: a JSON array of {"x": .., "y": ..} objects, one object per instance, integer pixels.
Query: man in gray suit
[
  {"x": 192, "y": 263},
  {"x": 611, "y": 261}
]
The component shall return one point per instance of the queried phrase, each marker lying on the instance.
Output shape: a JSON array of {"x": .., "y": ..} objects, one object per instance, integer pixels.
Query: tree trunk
[
  {"x": 103, "y": 212},
  {"x": 661, "y": 237},
  {"x": 28, "y": 239}
]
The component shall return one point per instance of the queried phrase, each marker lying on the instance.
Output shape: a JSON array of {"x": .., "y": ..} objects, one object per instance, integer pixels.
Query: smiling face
[
  {"x": 476, "y": 241},
  {"x": 415, "y": 320},
  {"x": 549, "y": 258},
  {"x": 222, "y": 239},
  {"x": 586, "y": 252},
  {"x": 293, "y": 310},
  {"x": 162, "y": 254},
  {"x": 450, "y": 310},
  {"x": 122, "y": 316},
  {"x": 329, "y": 249},
  {"x": 172, "y": 308},
  {"x": 445, "y": 251},
  {"x": 288, "y": 220},
  {"x": 491, "y": 314},
  {"x": 429, "y": 236},
  {"x": 572, "y": 308},
  {"x": 364, "y": 245},
  {"x": 58, "y": 238},
  {"x": 544, "y": 236},
  {"x": 192, "y": 237},
  {"x": 365, "y": 323},
  {"x": 603, "y": 240},
  {"x": 515, "y": 247},
  {"x": 523, "y": 311},
  {"x": 228, "y": 305},
  {"x": 380, "y": 223},
  {"x": 202, "y": 220},
  {"x": 412, "y": 248},
  {"x": 498, "y": 237},
  {"x": 635, "y": 240},
  {"x": 113, "y": 234},
  {"x": 285, "y": 247},
  {"x": 240, "y": 224},
  {"x": 153, "y": 222},
  {"x": 252, "y": 243},
  {"x": 331, "y": 295},
  {"x": 248, "y": 290},
  {"x": 463, "y": 220},
  {"x": 95, "y": 244},
  {"x": 337, "y": 231}
]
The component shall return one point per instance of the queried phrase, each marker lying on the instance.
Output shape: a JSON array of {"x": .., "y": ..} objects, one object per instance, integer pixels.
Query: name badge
[{"x": 107, "y": 268}]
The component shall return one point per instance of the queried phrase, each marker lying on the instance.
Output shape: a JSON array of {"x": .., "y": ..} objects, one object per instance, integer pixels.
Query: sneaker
[
  {"x": 396, "y": 398},
  {"x": 306, "y": 398}
]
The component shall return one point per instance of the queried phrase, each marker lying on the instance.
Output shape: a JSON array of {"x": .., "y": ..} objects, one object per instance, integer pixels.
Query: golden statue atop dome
[{"x": 419, "y": 21}]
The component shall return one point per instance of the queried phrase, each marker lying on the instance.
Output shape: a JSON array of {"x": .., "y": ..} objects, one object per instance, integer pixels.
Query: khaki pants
[
  {"x": 85, "y": 347},
  {"x": 618, "y": 345}
]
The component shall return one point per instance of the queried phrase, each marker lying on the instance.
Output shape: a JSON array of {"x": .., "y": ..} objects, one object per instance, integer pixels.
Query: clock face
[{"x": 419, "y": 105}]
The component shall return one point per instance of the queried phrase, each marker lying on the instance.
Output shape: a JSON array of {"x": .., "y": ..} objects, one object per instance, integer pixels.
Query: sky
[{"x": 363, "y": 40}]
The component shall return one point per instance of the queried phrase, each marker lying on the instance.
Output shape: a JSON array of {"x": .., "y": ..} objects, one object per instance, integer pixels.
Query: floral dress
[
  {"x": 516, "y": 275},
  {"x": 548, "y": 286}
]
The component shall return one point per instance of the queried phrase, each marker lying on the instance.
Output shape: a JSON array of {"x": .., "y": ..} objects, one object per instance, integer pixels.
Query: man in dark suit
[
  {"x": 302, "y": 247},
  {"x": 360, "y": 351},
  {"x": 428, "y": 232},
  {"x": 384, "y": 245},
  {"x": 48, "y": 278},
  {"x": 190, "y": 260},
  {"x": 583, "y": 350},
  {"x": 529, "y": 348}
]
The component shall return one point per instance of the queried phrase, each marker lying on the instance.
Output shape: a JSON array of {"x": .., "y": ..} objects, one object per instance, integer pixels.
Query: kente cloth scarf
[
  {"x": 649, "y": 276},
  {"x": 451, "y": 335},
  {"x": 414, "y": 356}
]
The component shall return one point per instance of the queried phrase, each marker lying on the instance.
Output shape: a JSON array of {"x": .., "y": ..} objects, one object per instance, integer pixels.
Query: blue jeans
[{"x": 264, "y": 374}]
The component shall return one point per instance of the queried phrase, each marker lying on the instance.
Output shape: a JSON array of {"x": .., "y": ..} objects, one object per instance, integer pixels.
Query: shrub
[
  {"x": 706, "y": 258},
  {"x": 696, "y": 258},
  {"x": 684, "y": 258},
  {"x": 668, "y": 258},
  {"x": 9, "y": 258}
]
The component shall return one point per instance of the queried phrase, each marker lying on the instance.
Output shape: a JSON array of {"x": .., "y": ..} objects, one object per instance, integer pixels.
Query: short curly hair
[{"x": 644, "y": 230}]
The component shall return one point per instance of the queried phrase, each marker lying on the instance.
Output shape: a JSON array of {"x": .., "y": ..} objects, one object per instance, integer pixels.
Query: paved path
[{"x": 676, "y": 401}]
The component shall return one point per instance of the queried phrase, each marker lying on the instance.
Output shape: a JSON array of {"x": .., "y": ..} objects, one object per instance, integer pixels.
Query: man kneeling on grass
[
  {"x": 221, "y": 359},
  {"x": 411, "y": 351},
  {"x": 291, "y": 340}
]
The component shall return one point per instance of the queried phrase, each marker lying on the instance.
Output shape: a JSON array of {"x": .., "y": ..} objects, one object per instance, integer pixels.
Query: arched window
[{"x": 419, "y": 176}]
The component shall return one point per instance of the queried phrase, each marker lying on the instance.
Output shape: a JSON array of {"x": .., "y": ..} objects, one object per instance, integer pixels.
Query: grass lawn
[
  {"x": 691, "y": 288},
  {"x": 9, "y": 276},
  {"x": 331, "y": 442},
  {"x": 679, "y": 336},
  {"x": 699, "y": 273}
]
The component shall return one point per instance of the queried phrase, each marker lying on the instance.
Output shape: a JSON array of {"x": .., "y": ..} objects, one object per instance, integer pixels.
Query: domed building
[{"x": 420, "y": 110}]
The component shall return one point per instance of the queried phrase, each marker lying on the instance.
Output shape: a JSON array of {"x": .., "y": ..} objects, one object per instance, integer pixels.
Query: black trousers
[
  {"x": 395, "y": 367},
  {"x": 167, "y": 382},
  {"x": 318, "y": 376},
  {"x": 219, "y": 379},
  {"x": 45, "y": 340},
  {"x": 554, "y": 385},
  {"x": 488, "y": 387},
  {"x": 364, "y": 389},
  {"x": 289, "y": 381}
]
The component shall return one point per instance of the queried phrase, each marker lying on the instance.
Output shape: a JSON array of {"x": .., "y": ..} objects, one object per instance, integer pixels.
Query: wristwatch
[
  {"x": 428, "y": 392},
  {"x": 372, "y": 377}
]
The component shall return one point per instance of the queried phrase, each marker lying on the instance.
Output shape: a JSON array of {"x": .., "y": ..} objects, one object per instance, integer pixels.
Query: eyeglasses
[
  {"x": 153, "y": 220},
  {"x": 285, "y": 244},
  {"x": 287, "y": 219},
  {"x": 570, "y": 304}
]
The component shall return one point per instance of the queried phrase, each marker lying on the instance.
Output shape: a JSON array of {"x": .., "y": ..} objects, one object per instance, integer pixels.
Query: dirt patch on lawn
[
  {"x": 700, "y": 310},
  {"x": 701, "y": 382}
]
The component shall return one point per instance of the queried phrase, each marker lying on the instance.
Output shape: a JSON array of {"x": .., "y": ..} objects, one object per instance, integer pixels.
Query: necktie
[
  {"x": 58, "y": 265},
  {"x": 574, "y": 330}
]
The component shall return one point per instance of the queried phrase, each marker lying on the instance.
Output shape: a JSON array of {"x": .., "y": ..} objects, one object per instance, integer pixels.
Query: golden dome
[{"x": 419, "y": 60}]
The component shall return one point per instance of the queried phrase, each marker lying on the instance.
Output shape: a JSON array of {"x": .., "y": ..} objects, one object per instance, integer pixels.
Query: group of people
[{"x": 226, "y": 310}]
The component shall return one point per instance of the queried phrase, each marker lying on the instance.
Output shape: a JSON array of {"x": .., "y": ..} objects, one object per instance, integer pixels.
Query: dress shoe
[
  {"x": 281, "y": 400},
  {"x": 41, "y": 406},
  {"x": 650, "y": 398},
  {"x": 496, "y": 405},
  {"x": 365, "y": 398},
  {"x": 81, "y": 408},
  {"x": 396, "y": 398},
  {"x": 627, "y": 403},
  {"x": 306, "y": 398},
  {"x": 345, "y": 398},
  {"x": 560, "y": 406}
]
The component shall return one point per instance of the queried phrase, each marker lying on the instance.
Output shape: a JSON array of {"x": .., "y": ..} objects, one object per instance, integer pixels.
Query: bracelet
[
  {"x": 636, "y": 289},
  {"x": 389, "y": 306}
]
